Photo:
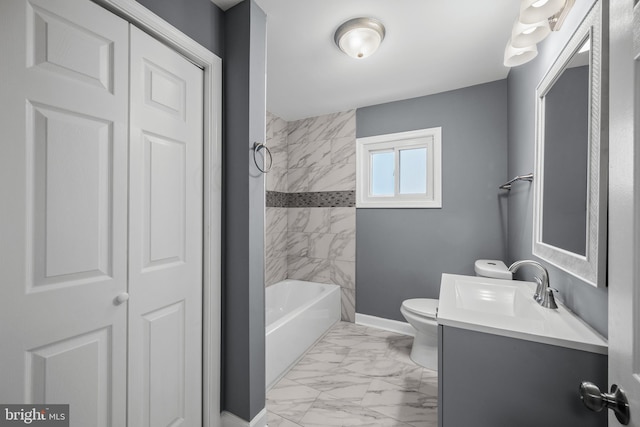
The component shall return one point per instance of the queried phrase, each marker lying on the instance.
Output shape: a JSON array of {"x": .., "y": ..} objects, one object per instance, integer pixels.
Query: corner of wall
[{"x": 244, "y": 122}]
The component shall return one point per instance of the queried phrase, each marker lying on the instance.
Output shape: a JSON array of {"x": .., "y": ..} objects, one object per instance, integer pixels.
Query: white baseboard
[
  {"x": 386, "y": 324},
  {"x": 227, "y": 419}
]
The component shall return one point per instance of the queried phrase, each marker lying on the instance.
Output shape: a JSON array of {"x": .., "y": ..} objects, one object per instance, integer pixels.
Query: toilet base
[{"x": 424, "y": 351}]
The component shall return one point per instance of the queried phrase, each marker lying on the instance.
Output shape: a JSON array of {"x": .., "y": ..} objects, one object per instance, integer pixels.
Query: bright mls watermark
[{"x": 34, "y": 415}]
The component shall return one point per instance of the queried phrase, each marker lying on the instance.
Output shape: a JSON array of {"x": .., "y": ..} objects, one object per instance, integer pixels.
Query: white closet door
[
  {"x": 63, "y": 203},
  {"x": 165, "y": 225}
]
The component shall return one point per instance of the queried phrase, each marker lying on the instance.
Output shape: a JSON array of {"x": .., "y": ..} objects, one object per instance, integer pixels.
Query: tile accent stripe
[
  {"x": 276, "y": 199},
  {"x": 334, "y": 199},
  {"x": 319, "y": 199}
]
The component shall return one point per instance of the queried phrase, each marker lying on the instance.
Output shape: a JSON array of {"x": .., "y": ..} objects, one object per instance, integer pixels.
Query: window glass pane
[
  {"x": 413, "y": 171},
  {"x": 382, "y": 164}
]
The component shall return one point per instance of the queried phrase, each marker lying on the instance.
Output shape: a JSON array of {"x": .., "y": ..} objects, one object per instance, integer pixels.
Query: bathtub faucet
[{"x": 544, "y": 294}]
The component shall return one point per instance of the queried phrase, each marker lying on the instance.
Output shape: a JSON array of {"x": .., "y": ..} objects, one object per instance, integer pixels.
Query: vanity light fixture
[
  {"x": 359, "y": 37},
  {"x": 532, "y": 11},
  {"x": 536, "y": 21},
  {"x": 514, "y": 56},
  {"x": 524, "y": 35}
]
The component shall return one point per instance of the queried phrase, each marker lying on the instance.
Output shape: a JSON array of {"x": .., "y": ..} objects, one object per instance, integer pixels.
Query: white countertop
[{"x": 507, "y": 308}]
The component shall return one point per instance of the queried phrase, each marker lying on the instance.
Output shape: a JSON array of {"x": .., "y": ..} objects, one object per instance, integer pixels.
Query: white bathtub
[{"x": 298, "y": 313}]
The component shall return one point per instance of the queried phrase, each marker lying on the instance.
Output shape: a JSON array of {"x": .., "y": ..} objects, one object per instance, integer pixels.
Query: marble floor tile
[
  {"x": 356, "y": 376},
  {"x": 392, "y": 371},
  {"x": 409, "y": 406},
  {"x": 369, "y": 350},
  {"x": 274, "y": 420},
  {"x": 306, "y": 370},
  {"x": 328, "y": 352},
  {"x": 290, "y": 400},
  {"x": 346, "y": 327},
  {"x": 329, "y": 411},
  {"x": 429, "y": 383},
  {"x": 347, "y": 340},
  {"x": 340, "y": 385},
  {"x": 400, "y": 348}
]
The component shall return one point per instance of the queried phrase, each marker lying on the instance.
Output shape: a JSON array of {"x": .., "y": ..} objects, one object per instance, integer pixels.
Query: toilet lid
[{"x": 422, "y": 306}]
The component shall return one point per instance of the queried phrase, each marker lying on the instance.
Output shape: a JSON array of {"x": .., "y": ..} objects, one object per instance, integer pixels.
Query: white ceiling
[{"x": 430, "y": 46}]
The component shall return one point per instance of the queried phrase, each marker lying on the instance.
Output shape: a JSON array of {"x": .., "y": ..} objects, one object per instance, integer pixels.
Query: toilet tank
[{"x": 492, "y": 268}]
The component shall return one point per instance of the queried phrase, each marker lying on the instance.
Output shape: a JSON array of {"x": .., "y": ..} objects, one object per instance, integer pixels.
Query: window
[{"x": 400, "y": 170}]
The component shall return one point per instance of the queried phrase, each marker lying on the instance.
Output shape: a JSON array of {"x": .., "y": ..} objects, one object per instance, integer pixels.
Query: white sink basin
[
  {"x": 495, "y": 299},
  {"x": 507, "y": 307},
  {"x": 486, "y": 298}
]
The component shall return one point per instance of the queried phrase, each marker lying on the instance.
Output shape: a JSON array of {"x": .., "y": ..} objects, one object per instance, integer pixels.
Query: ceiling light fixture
[
  {"x": 536, "y": 21},
  {"x": 359, "y": 37}
]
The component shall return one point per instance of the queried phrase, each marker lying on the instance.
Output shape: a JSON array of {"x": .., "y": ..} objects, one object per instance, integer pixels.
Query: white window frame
[{"x": 431, "y": 139}]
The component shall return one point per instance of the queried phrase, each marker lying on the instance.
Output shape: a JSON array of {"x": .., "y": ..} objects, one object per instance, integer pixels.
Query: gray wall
[
  {"x": 201, "y": 20},
  {"x": 243, "y": 388},
  {"x": 401, "y": 253},
  {"x": 588, "y": 302}
]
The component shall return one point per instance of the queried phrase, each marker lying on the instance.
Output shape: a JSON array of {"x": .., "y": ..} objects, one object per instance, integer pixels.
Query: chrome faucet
[{"x": 544, "y": 294}]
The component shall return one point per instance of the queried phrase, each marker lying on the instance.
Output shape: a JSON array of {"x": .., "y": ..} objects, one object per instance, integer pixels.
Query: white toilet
[{"x": 421, "y": 314}]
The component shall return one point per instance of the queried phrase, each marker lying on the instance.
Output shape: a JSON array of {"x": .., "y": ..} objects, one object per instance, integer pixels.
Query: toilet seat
[{"x": 426, "y": 307}]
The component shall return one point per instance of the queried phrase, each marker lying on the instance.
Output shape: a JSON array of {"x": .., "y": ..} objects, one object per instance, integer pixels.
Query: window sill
[{"x": 399, "y": 205}]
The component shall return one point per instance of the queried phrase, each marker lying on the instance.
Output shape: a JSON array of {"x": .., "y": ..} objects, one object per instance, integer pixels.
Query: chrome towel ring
[{"x": 257, "y": 146}]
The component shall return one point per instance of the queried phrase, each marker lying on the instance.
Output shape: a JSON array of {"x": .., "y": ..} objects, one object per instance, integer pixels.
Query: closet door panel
[
  {"x": 165, "y": 261},
  {"x": 164, "y": 205},
  {"x": 63, "y": 209}
]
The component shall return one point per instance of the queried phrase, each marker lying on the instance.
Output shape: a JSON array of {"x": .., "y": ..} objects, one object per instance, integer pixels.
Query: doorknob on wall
[{"x": 616, "y": 400}]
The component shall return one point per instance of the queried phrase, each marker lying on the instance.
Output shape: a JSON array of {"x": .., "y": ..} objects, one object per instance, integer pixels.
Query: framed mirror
[{"x": 570, "y": 189}]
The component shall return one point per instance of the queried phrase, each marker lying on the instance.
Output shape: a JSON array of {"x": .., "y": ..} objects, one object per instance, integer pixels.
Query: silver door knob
[
  {"x": 123, "y": 297},
  {"x": 616, "y": 400}
]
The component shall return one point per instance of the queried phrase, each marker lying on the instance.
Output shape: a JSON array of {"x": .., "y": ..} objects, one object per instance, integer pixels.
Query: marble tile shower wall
[
  {"x": 276, "y": 217},
  {"x": 322, "y": 153},
  {"x": 320, "y": 241}
]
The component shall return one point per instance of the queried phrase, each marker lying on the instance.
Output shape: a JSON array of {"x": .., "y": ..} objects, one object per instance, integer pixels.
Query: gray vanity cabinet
[{"x": 487, "y": 380}]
